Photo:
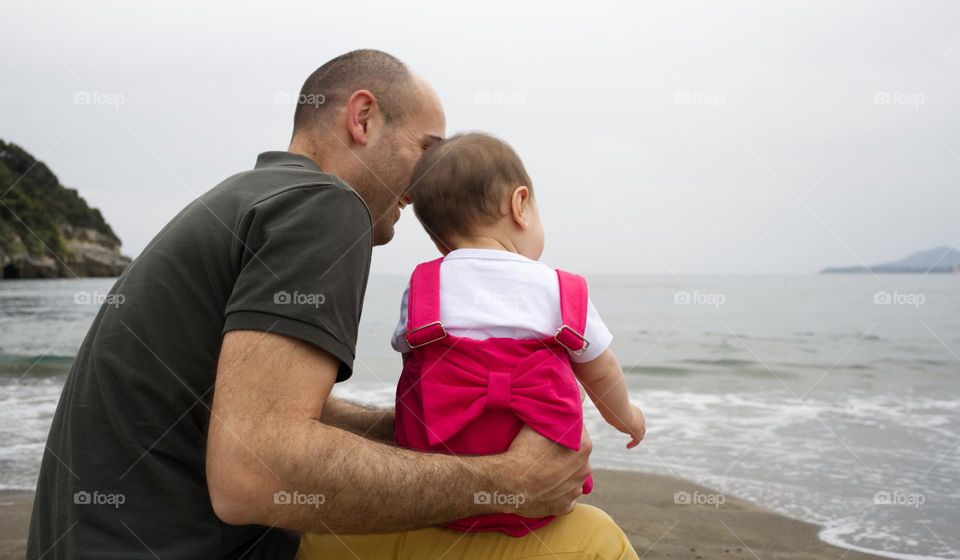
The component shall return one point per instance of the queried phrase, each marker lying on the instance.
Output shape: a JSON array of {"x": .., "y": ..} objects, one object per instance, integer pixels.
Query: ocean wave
[
  {"x": 722, "y": 362},
  {"x": 849, "y": 535},
  {"x": 658, "y": 370},
  {"x": 34, "y": 366}
]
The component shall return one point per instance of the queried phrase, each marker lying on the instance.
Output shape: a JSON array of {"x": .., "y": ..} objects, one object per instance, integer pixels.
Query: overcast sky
[{"x": 670, "y": 137}]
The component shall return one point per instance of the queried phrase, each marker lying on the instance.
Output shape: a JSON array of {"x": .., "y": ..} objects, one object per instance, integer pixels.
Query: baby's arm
[{"x": 603, "y": 379}]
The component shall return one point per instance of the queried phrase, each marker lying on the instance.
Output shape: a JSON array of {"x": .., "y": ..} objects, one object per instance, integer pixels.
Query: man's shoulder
[
  {"x": 255, "y": 187},
  {"x": 261, "y": 184}
]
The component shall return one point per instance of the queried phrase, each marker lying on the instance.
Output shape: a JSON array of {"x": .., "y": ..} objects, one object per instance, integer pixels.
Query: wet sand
[{"x": 644, "y": 507}]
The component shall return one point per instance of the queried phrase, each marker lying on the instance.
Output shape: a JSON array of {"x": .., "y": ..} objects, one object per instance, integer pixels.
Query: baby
[{"x": 492, "y": 339}]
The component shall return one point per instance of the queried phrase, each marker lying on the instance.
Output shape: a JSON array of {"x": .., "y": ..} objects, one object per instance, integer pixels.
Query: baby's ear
[{"x": 520, "y": 201}]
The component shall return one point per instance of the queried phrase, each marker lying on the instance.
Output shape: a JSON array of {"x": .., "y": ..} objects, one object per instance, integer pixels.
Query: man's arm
[
  {"x": 366, "y": 421},
  {"x": 272, "y": 461}
]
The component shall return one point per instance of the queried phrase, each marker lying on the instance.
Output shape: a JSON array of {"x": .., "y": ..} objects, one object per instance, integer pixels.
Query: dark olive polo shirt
[{"x": 283, "y": 248}]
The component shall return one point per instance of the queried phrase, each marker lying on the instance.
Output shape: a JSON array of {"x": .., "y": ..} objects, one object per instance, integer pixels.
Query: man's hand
[{"x": 548, "y": 475}]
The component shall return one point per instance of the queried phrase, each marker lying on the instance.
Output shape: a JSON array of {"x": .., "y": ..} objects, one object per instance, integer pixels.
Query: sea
[{"x": 833, "y": 399}]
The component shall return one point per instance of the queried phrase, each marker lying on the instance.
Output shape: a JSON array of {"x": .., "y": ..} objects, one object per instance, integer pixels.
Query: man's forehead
[{"x": 432, "y": 118}]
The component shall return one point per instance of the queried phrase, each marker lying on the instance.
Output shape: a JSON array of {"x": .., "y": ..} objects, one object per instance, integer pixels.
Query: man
[{"x": 197, "y": 420}]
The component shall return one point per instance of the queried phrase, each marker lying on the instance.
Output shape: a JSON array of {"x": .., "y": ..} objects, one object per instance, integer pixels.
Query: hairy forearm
[
  {"x": 323, "y": 479},
  {"x": 367, "y": 421},
  {"x": 273, "y": 459}
]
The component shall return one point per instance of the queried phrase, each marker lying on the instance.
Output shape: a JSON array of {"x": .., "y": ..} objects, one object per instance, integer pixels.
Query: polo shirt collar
[{"x": 285, "y": 159}]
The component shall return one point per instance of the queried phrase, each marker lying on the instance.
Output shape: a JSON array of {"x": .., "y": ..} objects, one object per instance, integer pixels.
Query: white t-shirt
[{"x": 498, "y": 294}]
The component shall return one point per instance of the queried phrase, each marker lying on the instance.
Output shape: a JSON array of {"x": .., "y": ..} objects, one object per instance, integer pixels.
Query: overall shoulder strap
[
  {"x": 423, "y": 305},
  {"x": 573, "y": 312}
]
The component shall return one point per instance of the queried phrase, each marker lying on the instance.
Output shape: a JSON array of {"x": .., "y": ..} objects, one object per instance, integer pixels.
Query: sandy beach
[
  {"x": 14, "y": 519},
  {"x": 643, "y": 505}
]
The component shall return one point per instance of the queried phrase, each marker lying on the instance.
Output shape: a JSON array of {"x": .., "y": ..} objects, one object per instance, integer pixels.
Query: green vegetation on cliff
[
  {"x": 38, "y": 203},
  {"x": 46, "y": 229}
]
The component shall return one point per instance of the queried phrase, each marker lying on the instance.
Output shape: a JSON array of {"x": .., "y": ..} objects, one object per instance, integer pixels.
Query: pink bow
[{"x": 541, "y": 391}]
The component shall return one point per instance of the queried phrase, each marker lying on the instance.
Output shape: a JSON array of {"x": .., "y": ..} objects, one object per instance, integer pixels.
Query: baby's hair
[{"x": 463, "y": 182}]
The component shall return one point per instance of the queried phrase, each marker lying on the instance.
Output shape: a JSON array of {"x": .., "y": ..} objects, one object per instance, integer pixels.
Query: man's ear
[
  {"x": 520, "y": 206},
  {"x": 361, "y": 109}
]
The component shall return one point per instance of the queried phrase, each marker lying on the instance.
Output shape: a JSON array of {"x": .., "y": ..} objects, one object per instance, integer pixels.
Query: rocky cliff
[{"x": 48, "y": 230}]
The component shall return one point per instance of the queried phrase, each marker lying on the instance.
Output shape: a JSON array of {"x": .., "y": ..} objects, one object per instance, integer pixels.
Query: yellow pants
[{"x": 587, "y": 533}]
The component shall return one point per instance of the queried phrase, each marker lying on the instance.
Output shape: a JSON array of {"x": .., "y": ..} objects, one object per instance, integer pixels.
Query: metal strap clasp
[
  {"x": 565, "y": 331},
  {"x": 436, "y": 324}
]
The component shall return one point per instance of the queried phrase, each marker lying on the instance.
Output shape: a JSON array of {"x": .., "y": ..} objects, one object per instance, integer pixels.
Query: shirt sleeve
[
  {"x": 303, "y": 257},
  {"x": 596, "y": 333},
  {"x": 398, "y": 342}
]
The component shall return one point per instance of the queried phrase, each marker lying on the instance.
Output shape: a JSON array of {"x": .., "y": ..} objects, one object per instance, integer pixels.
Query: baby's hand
[{"x": 636, "y": 427}]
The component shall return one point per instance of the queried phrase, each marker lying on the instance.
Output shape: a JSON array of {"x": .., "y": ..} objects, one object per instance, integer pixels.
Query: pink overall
[{"x": 466, "y": 396}]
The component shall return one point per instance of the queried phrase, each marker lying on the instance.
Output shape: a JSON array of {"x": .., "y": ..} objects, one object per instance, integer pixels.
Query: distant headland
[
  {"x": 48, "y": 230},
  {"x": 941, "y": 260}
]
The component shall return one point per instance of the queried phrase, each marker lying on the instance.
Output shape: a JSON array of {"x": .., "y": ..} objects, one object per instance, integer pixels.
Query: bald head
[
  {"x": 329, "y": 87},
  {"x": 366, "y": 118}
]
